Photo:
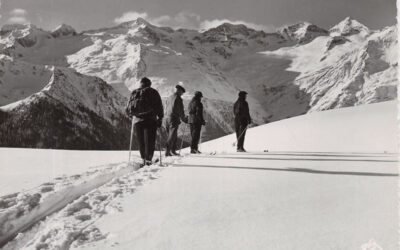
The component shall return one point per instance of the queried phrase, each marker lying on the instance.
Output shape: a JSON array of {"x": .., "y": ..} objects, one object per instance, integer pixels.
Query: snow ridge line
[{"x": 17, "y": 219}]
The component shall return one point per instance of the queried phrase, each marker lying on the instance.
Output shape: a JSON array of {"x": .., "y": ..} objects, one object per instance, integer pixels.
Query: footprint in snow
[
  {"x": 83, "y": 217},
  {"x": 77, "y": 176},
  {"x": 153, "y": 177},
  {"x": 46, "y": 189},
  {"x": 101, "y": 197},
  {"x": 76, "y": 207}
]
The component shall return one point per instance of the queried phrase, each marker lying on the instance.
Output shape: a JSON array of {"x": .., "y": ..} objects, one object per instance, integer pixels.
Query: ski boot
[{"x": 175, "y": 153}]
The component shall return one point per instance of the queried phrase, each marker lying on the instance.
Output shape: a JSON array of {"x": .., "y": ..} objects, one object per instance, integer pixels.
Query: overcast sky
[{"x": 197, "y": 14}]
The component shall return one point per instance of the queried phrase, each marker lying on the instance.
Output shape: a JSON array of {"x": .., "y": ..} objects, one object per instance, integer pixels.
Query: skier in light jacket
[{"x": 175, "y": 113}]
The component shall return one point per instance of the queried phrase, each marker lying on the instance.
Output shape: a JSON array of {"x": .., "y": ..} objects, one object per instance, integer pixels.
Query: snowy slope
[
  {"x": 349, "y": 27},
  {"x": 367, "y": 128},
  {"x": 261, "y": 203},
  {"x": 359, "y": 71},
  {"x": 19, "y": 79},
  {"x": 342, "y": 197}
]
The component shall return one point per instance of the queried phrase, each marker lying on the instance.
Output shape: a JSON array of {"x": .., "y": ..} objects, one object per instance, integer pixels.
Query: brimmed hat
[
  {"x": 180, "y": 88},
  {"x": 242, "y": 93}
]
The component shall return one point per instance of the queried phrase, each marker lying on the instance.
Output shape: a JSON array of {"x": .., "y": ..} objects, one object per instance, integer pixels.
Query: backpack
[{"x": 139, "y": 104}]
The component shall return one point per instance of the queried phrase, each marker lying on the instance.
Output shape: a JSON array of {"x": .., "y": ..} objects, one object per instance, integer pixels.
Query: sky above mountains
[{"x": 259, "y": 14}]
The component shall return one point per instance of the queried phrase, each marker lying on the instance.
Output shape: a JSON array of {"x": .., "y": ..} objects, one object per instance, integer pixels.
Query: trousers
[
  {"x": 195, "y": 130},
  {"x": 146, "y": 135},
  {"x": 172, "y": 131},
  {"x": 240, "y": 128}
]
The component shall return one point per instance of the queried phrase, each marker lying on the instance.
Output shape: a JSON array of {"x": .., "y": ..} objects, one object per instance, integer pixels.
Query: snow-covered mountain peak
[
  {"x": 10, "y": 27},
  {"x": 139, "y": 22},
  {"x": 25, "y": 35},
  {"x": 349, "y": 27},
  {"x": 19, "y": 30},
  {"x": 302, "y": 32},
  {"x": 236, "y": 34},
  {"x": 142, "y": 28},
  {"x": 17, "y": 26},
  {"x": 231, "y": 28},
  {"x": 63, "y": 30},
  {"x": 298, "y": 69}
]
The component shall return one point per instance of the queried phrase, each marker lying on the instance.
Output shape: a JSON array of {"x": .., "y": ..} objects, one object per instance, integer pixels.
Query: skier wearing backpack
[
  {"x": 174, "y": 115},
  {"x": 196, "y": 120},
  {"x": 242, "y": 119},
  {"x": 146, "y": 110}
]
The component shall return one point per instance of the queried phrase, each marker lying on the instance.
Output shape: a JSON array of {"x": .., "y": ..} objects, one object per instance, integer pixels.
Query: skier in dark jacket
[
  {"x": 242, "y": 119},
  {"x": 146, "y": 109},
  {"x": 174, "y": 115},
  {"x": 196, "y": 120}
]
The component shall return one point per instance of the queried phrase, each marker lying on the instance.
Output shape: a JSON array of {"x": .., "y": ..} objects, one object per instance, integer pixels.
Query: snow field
[
  {"x": 329, "y": 181},
  {"x": 19, "y": 211},
  {"x": 368, "y": 128},
  {"x": 73, "y": 223},
  {"x": 292, "y": 202},
  {"x": 24, "y": 169},
  {"x": 71, "y": 203}
]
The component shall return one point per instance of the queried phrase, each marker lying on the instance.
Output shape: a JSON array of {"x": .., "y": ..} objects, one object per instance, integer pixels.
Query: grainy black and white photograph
[{"x": 192, "y": 125}]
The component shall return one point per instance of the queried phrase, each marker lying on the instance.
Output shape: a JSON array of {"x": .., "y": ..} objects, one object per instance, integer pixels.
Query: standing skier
[
  {"x": 196, "y": 120},
  {"x": 174, "y": 115},
  {"x": 242, "y": 119},
  {"x": 146, "y": 109}
]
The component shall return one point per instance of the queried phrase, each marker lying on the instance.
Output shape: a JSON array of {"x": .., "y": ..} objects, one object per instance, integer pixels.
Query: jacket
[
  {"x": 153, "y": 99},
  {"x": 174, "y": 110},
  {"x": 241, "y": 111},
  {"x": 196, "y": 112}
]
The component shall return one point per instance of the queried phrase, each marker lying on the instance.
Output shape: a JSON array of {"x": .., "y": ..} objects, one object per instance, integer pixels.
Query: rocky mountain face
[
  {"x": 84, "y": 78},
  {"x": 72, "y": 111}
]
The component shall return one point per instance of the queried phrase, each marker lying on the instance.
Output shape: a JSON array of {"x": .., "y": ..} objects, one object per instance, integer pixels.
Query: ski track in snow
[{"x": 72, "y": 204}]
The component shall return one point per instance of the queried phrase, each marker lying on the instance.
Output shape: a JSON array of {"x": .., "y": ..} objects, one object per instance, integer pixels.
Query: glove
[{"x": 159, "y": 123}]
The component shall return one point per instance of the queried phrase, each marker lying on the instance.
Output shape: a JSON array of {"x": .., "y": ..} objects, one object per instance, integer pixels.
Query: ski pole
[
  {"x": 183, "y": 137},
  {"x": 201, "y": 135},
  {"x": 237, "y": 140},
  {"x": 130, "y": 143},
  {"x": 159, "y": 143}
]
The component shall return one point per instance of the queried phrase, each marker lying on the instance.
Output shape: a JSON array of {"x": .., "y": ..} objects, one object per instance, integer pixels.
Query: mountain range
[{"x": 68, "y": 89}]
